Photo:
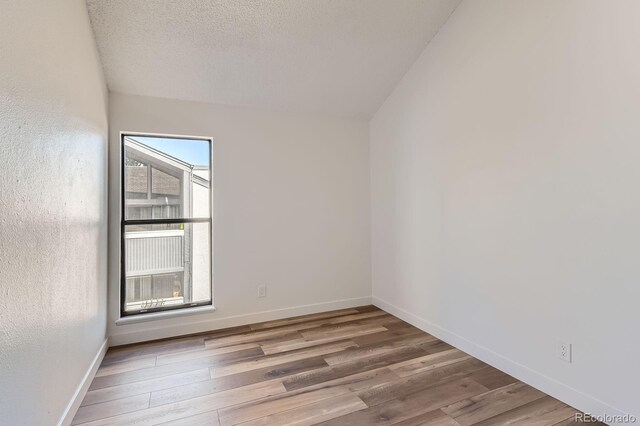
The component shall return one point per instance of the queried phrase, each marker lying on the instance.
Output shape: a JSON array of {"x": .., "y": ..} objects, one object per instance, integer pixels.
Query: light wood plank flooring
[{"x": 352, "y": 367}]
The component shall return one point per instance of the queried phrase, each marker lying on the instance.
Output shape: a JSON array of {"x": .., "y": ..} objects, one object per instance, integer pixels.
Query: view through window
[{"x": 166, "y": 223}]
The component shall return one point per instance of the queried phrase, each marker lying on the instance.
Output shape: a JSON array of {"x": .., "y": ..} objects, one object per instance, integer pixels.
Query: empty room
[{"x": 336, "y": 212}]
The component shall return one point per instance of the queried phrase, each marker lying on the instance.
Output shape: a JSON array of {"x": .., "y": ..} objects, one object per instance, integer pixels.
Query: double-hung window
[{"x": 166, "y": 252}]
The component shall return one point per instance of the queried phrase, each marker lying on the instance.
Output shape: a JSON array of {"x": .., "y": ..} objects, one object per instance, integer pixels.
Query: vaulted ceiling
[{"x": 329, "y": 57}]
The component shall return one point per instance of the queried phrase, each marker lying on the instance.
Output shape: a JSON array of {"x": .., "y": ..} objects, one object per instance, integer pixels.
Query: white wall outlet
[
  {"x": 564, "y": 350},
  {"x": 262, "y": 291}
]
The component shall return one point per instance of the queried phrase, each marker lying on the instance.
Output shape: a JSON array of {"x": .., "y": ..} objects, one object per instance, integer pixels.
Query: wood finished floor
[{"x": 352, "y": 367}]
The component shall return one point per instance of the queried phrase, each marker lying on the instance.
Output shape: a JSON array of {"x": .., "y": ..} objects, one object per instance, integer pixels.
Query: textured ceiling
[{"x": 330, "y": 57}]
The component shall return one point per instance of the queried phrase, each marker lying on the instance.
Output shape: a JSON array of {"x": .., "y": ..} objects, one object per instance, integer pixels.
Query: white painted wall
[
  {"x": 291, "y": 209},
  {"x": 53, "y": 214},
  {"x": 505, "y": 202}
]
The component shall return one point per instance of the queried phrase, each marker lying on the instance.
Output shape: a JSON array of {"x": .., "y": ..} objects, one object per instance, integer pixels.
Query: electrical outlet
[
  {"x": 262, "y": 291},
  {"x": 564, "y": 350}
]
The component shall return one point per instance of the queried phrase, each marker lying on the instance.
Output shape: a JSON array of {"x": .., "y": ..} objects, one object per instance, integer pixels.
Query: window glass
[
  {"x": 166, "y": 257},
  {"x": 164, "y": 185},
  {"x": 166, "y": 178}
]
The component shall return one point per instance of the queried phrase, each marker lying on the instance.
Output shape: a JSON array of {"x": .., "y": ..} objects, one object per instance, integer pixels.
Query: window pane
[
  {"x": 164, "y": 184},
  {"x": 166, "y": 178},
  {"x": 136, "y": 179},
  {"x": 167, "y": 265}
]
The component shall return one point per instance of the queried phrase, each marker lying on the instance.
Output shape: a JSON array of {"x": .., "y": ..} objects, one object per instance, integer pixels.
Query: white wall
[
  {"x": 505, "y": 202},
  {"x": 291, "y": 209},
  {"x": 53, "y": 215}
]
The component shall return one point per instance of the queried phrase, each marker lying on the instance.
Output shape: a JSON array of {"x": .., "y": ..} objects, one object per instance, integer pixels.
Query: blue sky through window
[{"x": 192, "y": 151}]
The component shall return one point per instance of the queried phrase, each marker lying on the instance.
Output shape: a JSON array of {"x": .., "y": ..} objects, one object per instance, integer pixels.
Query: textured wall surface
[
  {"x": 505, "y": 191},
  {"x": 53, "y": 129},
  {"x": 317, "y": 56},
  {"x": 291, "y": 207}
]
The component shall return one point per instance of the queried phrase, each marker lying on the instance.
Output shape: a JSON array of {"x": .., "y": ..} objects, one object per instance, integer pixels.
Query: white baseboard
[
  {"x": 152, "y": 333},
  {"x": 82, "y": 388},
  {"x": 552, "y": 387}
]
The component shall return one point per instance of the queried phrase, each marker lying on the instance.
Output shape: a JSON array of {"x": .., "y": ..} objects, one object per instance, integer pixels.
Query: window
[{"x": 166, "y": 223}]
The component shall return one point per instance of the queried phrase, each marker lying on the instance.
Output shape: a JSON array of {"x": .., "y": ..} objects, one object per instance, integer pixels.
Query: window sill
[{"x": 133, "y": 319}]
